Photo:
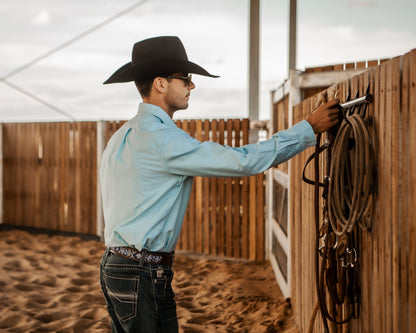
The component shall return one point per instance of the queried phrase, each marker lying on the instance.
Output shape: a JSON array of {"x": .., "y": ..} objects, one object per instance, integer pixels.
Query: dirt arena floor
[{"x": 51, "y": 284}]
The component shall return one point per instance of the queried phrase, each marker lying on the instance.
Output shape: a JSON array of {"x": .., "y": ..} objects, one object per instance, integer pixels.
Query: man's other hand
[{"x": 324, "y": 117}]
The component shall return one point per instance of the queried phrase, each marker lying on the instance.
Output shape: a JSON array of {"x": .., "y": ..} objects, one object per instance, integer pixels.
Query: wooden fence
[
  {"x": 225, "y": 215},
  {"x": 50, "y": 182},
  {"x": 49, "y": 176},
  {"x": 387, "y": 253},
  {"x": 299, "y": 86}
]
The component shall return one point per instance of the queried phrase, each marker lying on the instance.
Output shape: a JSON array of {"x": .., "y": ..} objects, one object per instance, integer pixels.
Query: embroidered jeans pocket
[
  {"x": 163, "y": 286},
  {"x": 123, "y": 292}
]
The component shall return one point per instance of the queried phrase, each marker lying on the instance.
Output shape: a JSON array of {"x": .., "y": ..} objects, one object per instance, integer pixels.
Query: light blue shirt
[{"x": 148, "y": 167}]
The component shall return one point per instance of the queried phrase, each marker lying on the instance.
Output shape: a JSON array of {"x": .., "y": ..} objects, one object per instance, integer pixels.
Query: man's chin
[{"x": 182, "y": 107}]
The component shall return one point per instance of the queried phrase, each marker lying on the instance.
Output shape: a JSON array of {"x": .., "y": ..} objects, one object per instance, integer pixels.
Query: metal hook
[{"x": 368, "y": 98}]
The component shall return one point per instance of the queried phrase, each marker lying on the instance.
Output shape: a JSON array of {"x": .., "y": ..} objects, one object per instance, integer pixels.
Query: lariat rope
[
  {"x": 351, "y": 185},
  {"x": 348, "y": 197}
]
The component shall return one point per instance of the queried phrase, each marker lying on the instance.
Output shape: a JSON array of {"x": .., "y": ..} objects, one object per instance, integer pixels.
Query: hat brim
[{"x": 155, "y": 67}]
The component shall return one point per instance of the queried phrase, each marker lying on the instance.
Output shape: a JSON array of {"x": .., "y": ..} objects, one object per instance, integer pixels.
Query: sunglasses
[{"x": 186, "y": 79}]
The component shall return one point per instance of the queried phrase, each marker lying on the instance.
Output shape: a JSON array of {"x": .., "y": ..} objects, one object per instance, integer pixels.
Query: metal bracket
[
  {"x": 366, "y": 99},
  {"x": 359, "y": 104}
]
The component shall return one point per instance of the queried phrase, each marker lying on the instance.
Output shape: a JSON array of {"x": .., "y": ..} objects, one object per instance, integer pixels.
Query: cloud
[
  {"x": 42, "y": 18},
  {"x": 362, "y": 4},
  {"x": 213, "y": 32}
]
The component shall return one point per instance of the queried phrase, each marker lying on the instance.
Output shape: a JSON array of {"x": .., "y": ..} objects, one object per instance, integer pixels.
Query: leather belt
[{"x": 159, "y": 258}]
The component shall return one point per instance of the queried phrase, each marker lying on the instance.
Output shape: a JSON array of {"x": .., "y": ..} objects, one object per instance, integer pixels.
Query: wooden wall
[
  {"x": 49, "y": 176},
  {"x": 387, "y": 253},
  {"x": 225, "y": 216},
  {"x": 50, "y": 182}
]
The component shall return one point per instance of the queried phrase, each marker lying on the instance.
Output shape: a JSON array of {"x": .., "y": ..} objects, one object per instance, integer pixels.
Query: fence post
[
  {"x": 269, "y": 187},
  {"x": 294, "y": 98},
  {"x": 101, "y": 142},
  {"x": 254, "y": 65}
]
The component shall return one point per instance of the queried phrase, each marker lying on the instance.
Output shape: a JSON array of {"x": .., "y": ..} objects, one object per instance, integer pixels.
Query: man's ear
[{"x": 160, "y": 84}]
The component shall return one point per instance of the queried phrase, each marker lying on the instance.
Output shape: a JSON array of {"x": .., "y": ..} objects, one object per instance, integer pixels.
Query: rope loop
[
  {"x": 350, "y": 192},
  {"x": 347, "y": 190}
]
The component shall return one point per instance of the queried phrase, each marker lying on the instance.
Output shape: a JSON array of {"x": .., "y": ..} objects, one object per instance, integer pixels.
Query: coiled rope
[
  {"x": 350, "y": 190},
  {"x": 348, "y": 201}
]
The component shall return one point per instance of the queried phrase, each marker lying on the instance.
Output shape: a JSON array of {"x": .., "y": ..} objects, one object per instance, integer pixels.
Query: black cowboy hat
[{"x": 154, "y": 57}]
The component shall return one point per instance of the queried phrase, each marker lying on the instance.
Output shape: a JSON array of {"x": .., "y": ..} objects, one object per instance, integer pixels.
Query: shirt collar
[{"x": 151, "y": 109}]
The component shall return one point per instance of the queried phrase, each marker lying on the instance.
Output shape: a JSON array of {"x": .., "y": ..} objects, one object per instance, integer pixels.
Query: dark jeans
[{"x": 139, "y": 296}]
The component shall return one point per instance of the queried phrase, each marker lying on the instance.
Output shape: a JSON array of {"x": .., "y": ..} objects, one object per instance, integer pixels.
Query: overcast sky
[{"x": 215, "y": 35}]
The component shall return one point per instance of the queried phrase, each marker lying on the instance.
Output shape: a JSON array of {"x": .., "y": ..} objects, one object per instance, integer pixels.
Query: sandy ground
[{"x": 51, "y": 284}]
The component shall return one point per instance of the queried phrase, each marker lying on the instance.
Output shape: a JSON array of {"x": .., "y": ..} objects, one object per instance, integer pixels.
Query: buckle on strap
[{"x": 146, "y": 256}]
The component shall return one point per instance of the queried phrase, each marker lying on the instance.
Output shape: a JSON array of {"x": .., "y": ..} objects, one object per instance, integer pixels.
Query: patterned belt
[{"x": 159, "y": 258}]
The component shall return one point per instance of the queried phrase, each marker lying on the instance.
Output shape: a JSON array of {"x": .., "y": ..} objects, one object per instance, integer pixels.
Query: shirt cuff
[{"x": 305, "y": 133}]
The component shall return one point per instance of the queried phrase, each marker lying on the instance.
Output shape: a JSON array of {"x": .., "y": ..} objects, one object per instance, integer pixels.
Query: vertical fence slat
[
  {"x": 245, "y": 200},
  {"x": 43, "y": 172},
  {"x": 213, "y": 240},
  {"x": 260, "y": 217},
  {"x": 412, "y": 191},
  {"x": 295, "y": 233},
  {"x": 7, "y": 163},
  {"x": 405, "y": 145},
  {"x": 406, "y": 174},
  {"x": 84, "y": 173},
  {"x": 19, "y": 181},
  {"x": 252, "y": 218},
  {"x": 54, "y": 158},
  {"x": 307, "y": 221},
  {"x": 30, "y": 182},
  {"x": 77, "y": 175},
  {"x": 395, "y": 184},
  {"x": 229, "y": 199},
  {"x": 72, "y": 176},
  {"x": 206, "y": 196},
  {"x": 221, "y": 198},
  {"x": 183, "y": 240},
  {"x": 198, "y": 196},
  {"x": 63, "y": 177},
  {"x": 388, "y": 232},
  {"x": 305, "y": 216},
  {"x": 192, "y": 202},
  {"x": 236, "y": 224},
  {"x": 377, "y": 244},
  {"x": 365, "y": 250},
  {"x": 303, "y": 289},
  {"x": 384, "y": 172}
]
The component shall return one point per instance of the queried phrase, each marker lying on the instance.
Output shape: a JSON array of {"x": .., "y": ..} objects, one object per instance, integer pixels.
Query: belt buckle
[{"x": 153, "y": 258}]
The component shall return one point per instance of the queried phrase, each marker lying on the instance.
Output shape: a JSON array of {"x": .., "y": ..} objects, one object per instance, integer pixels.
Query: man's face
[{"x": 178, "y": 92}]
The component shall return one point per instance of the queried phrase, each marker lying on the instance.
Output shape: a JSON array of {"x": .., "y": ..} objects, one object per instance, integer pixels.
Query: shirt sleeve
[{"x": 184, "y": 155}]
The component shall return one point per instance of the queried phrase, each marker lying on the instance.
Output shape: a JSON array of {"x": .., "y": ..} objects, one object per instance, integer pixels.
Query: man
[{"x": 146, "y": 178}]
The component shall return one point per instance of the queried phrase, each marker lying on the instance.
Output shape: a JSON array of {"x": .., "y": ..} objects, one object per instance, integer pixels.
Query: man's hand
[{"x": 324, "y": 117}]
